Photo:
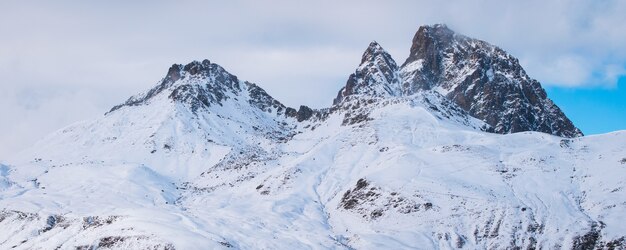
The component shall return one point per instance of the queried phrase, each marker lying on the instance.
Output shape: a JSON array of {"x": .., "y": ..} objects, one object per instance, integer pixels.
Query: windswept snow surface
[
  {"x": 405, "y": 178},
  {"x": 205, "y": 161}
]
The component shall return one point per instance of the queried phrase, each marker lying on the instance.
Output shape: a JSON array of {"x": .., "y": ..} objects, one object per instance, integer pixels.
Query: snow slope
[
  {"x": 404, "y": 179},
  {"x": 206, "y": 161}
]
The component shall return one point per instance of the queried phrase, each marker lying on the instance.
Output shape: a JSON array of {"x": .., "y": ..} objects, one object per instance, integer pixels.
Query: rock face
[
  {"x": 200, "y": 85},
  {"x": 482, "y": 79},
  {"x": 376, "y": 76}
]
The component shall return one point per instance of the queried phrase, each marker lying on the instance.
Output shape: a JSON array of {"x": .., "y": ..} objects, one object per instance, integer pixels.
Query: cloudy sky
[{"x": 66, "y": 61}]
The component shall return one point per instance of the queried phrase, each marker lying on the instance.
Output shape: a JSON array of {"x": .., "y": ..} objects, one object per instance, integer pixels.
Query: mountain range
[{"x": 456, "y": 148}]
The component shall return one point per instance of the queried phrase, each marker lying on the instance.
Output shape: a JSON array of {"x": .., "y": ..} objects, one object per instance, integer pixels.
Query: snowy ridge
[{"x": 204, "y": 160}]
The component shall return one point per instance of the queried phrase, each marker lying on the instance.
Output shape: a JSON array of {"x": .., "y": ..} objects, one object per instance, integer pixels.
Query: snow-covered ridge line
[
  {"x": 206, "y": 160},
  {"x": 480, "y": 78}
]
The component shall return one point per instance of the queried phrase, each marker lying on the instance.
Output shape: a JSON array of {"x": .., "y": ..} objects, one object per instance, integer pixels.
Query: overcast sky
[{"x": 66, "y": 61}]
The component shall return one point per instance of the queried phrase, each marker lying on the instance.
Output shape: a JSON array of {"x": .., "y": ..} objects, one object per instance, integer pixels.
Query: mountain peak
[
  {"x": 428, "y": 41},
  {"x": 374, "y": 45},
  {"x": 437, "y": 28},
  {"x": 482, "y": 79},
  {"x": 176, "y": 71},
  {"x": 375, "y": 54},
  {"x": 373, "y": 49},
  {"x": 198, "y": 84},
  {"x": 196, "y": 67},
  {"x": 376, "y": 76},
  {"x": 435, "y": 31}
]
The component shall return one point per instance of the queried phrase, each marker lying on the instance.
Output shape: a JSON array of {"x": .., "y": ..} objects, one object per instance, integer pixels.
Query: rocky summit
[
  {"x": 377, "y": 76},
  {"x": 482, "y": 79},
  {"x": 405, "y": 158}
]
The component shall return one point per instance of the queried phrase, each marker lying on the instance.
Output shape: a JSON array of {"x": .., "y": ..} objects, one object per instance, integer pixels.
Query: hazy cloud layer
[{"x": 64, "y": 61}]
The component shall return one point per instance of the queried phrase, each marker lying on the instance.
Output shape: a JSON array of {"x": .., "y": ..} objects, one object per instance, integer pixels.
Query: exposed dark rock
[
  {"x": 200, "y": 85},
  {"x": 376, "y": 213},
  {"x": 97, "y": 221},
  {"x": 372, "y": 202},
  {"x": 195, "y": 67},
  {"x": 173, "y": 74},
  {"x": 263, "y": 101},
  {"x": 565, "y": 143},
  {"x": 616, "y": 244},
  {"x": 226, "y": 244},
  {"x": 360, "y": 184},
  {"x": 460, "y": 242},
  {"x": 349, "y": 199},
  {"x": 376, "y": 76},
  {"x": 51, "y": 221},
  {"x": 213, "y": 84},
  {"x": 350, "y": 119},
  {"x": 196, "y": 96},
  {"x": 428, "y": 205},
  {"x": 478, "y": 78},
  {"x": 120, "y": 241},
  {"x": 304, "y": 113},
  {"x": 110, "y": 241},
  {"x": 587, "y": 241},
  {"x": 291, "y": 112},
  {"x": 482, "y": 79},
  {"x": 532, "y": 243}
]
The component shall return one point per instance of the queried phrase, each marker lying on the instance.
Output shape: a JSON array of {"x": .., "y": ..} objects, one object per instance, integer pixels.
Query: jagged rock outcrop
[
  {"x": 200, "y": 85},
  {"x": 482, "y": 79},
  {"x": 376, "y": 76}
]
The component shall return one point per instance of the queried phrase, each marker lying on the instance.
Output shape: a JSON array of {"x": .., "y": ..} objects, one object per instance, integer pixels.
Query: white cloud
[
  {"x": 567, "y": 70},
  {"x": 28, "y": 115},
  {"x": 612, "y": 72}
]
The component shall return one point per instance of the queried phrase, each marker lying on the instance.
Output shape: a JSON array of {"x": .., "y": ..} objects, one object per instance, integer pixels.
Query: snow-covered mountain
[
  {"x": 205, "y": 160},
  {"x": 482, "y": 79}
]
